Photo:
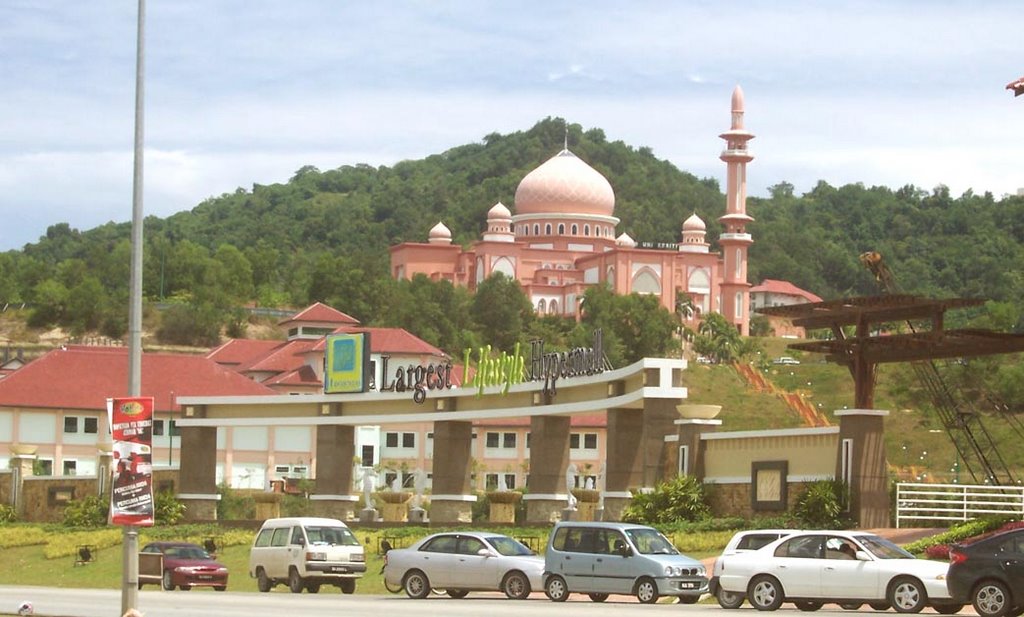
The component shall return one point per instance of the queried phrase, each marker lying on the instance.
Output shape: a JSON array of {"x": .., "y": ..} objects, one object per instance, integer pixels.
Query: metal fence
[{"x": 917, "y": 503}]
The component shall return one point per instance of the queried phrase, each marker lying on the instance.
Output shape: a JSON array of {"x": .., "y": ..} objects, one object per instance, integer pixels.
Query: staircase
[{"x": 797, "y": 401}]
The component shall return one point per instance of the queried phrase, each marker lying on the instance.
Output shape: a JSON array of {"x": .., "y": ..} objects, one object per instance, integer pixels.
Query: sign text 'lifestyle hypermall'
[{"x": 347, "y": 369}]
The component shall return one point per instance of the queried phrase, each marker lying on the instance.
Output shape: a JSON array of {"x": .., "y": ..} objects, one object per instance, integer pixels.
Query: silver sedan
[{"x": 464, "y": 561}]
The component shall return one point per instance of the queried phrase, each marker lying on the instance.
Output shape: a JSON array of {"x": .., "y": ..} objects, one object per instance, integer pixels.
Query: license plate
[
  {"x": 342, "y": 569},
  {"x": 205, "y": 577},
  {"x": 687, "y": 585}
]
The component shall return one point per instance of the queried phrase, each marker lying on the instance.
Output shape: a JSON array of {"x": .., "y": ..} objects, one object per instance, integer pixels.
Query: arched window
[
  {"x": 646, "y": 283},
  {"x": 553, "y": 307},
  {"x": 536, "y": 229},
  {"x": 739, "y": 264},
  {"x": 561, "y": 229},
  {"x": 541, "y": 306},
  {"x": 575, "y": 229},
  {"x": 547, "y": 229},
  {"x": 739, "y": 305},
  {"x": 586, "y": 230}
]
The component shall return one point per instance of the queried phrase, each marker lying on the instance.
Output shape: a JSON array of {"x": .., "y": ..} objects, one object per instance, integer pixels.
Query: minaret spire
[
  {"x": 566, "y": 147},
  {"x": 734, "y": 239}
]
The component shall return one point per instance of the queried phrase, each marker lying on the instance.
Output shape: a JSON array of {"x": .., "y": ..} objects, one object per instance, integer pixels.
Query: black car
[{"x": 989, "y": 573}]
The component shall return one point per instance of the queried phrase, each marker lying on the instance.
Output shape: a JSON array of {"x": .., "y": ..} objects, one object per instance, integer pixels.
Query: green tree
[{"x": 501, "y": 311}]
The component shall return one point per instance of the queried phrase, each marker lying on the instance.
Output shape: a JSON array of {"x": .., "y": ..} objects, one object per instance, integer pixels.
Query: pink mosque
[{"x": 562, "y": 240}]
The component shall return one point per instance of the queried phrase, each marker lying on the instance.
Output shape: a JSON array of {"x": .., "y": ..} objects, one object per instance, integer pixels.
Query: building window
[
  {"x": 430, "y": 435},
  {"x": 70, "y": 467},
  {"x": 491, "y": 481},
  {"x": 44, "y": 466},
  {"x": 508, "y": 440},
  {"x": 390, "y": 440},
  {"x": 589, "y": 441},
  {"x": 408, "y": 440},
  {"x": 158, "y": 428},
  {"x": 528, "y": 440},
  {"x": 739, "y": 305},
  {"x": 547, "y": 229},
  {"x": 561, "y": 229},
  {"x": 493, "y": 440},
  {"x": 70, "y": 424},
  {"x": 90, "y": 425},
  {"x": 536, "y": 229},
  {"x": 586, "y": 230},
  {"x": 575, "y": 230}
]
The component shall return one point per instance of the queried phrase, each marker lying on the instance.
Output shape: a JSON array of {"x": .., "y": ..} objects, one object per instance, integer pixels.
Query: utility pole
[{"x": 130, "y": 533}]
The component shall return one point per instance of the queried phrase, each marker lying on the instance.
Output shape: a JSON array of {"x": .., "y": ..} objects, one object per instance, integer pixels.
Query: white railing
[{"x": 955, "y": 502}]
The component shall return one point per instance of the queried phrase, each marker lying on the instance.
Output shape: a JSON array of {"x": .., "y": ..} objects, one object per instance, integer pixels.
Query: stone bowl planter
[
  {"x": 698, "y": 412},
  {"x": 21, "y": 449},
  {"x": 586, "y": 495},
  {"x": 394, "y": 496},
  {"x": 504, "y": 496}
]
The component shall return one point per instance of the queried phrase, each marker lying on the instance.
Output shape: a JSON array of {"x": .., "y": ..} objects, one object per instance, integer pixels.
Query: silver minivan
[
  {"x": 305, "y": 553},
  {"x": 600, "y": 559}
]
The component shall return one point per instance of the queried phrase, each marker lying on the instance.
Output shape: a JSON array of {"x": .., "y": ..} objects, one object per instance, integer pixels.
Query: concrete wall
[
  {"x": 6, "y": 487},
  {"x": 45, "y": 497}
]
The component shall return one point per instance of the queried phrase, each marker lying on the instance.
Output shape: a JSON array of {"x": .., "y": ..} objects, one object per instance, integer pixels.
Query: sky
[{"x": 243, "y": 92}]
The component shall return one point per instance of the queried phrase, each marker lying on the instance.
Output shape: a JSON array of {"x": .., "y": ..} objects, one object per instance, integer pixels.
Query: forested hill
[{"x": 325, "y": 233}]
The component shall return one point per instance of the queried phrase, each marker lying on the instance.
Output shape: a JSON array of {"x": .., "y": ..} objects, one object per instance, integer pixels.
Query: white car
[
  {"x": 785, "y": 360},
  {"x": 810, "y": 568},
  {"x": 741, "y": 542},
  {"x": 464, "y": 561}
]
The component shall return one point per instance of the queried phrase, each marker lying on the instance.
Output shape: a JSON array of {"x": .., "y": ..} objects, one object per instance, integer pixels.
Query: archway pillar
[
  {"x": 549, "y": 459},
  {"x": 198, "y": 475},
  {"x": 861, "y": 464},
  {"x": 452, "y": 497},
  {"x": 335, "y": 452}
]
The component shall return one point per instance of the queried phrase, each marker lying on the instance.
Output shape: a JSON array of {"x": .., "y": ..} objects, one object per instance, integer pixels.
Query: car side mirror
[
  {"x": 625, "y": 551},
  {"x": 484, "y": 553},
  {"x": 862, "y": 556}
]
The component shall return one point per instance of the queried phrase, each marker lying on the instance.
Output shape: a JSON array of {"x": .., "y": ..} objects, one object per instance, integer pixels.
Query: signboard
[
  {"x": 347, "y": 363},
  {"x": 131, "y": 424}
]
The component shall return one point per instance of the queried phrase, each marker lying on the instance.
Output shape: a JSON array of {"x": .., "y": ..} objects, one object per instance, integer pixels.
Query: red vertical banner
[{"x": 131, "y": 498}]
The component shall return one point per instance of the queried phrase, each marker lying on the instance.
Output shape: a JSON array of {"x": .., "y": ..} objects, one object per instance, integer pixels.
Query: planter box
[
  {"x": 396, "y": 512},
  {"x": 502, "y": 513}
]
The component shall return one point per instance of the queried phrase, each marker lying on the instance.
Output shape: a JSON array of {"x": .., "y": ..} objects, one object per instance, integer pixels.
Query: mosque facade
[{"x": 562, "y": 239}]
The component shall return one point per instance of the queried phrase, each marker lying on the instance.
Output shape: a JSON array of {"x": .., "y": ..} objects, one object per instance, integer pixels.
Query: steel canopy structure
[{"x": 924, "y": 341}]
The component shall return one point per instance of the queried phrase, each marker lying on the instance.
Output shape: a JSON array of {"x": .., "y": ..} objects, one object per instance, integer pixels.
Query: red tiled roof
[
  {"x": 239, "y": 351},
  {"x": 388, "y": 340},
  {"x": 302, "y": 376},
  {"x": 286, "y": 357},
  {"x": 783, "y": 287},
  {"x": 1017, "y": 86},
  {"x": 84, "y": 377},
  {"x": 321, "y": 313}
]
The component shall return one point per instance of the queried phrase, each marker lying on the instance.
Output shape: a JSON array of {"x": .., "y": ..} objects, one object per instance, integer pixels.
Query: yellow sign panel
[{"x": 347, "y": 363}]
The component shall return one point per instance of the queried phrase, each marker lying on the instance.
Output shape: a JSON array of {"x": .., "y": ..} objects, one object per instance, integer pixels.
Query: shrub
[
  {"x": 296, "y": 505},
  {"x": 234, "y": 505},
  {"x": 90, "y": 511},
  {"x": 821, "y": 505},
  {"x": 938, "y": 544},
  {"x": 678, "y": 499},
  {"x": 7, "y": 514},
  {"x": 167, "y": 510}
]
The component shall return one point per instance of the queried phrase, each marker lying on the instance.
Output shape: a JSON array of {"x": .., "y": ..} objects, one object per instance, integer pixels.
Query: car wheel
[
  {"x": 879, "y": 606},
  {"x": 168, "y": 584},
  {"x": 416, "y": 585},
  {"x": 647, "y": 591},
  {"x": 809, "y": 606},
  {"x": 388, "y": 586},
  {"x": 991, "y": 599},
  {"x": 262, "y": 582},
  {"x": 458, "y": 594},
  {"x": 220, "y": 588},
  {"x": 556, "y": 590},
  {"x": 598, "y": 597},
  {"x": 348, "y": 586},
  {"x": 295, "y": 584},
  {"x": 516, "y": 586},
  {"x": 765, "y": 593},
  {"x": 948, "y": 609},
  {"x": 907, "y": 595},
  {"x": 851, "y": 606},
  {"x": 729, "y": 599},
  {"x": 313, "y": 587}
]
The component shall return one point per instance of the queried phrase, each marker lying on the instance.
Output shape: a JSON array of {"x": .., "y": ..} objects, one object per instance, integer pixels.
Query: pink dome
[
  {"x": 694, "y": 223},
  {"x": 499, "y": 211},
  {"x": 565, "y": 185}
]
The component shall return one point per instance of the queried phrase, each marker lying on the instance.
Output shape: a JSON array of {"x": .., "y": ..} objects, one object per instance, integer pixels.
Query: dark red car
[{"x": 185, "y": 566}]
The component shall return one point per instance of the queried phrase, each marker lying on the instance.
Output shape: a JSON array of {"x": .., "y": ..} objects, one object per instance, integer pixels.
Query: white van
[{"x": 306, "y": 553}]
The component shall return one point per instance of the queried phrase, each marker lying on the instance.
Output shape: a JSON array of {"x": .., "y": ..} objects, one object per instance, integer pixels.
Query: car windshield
[
  {"x": 882, "y": 548},
  {"x": 331, "y": 535},
  {"x": 186, "y": 552},
  {"x": 650, "y": 542},
  {"x": 508, "y": 546}
]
